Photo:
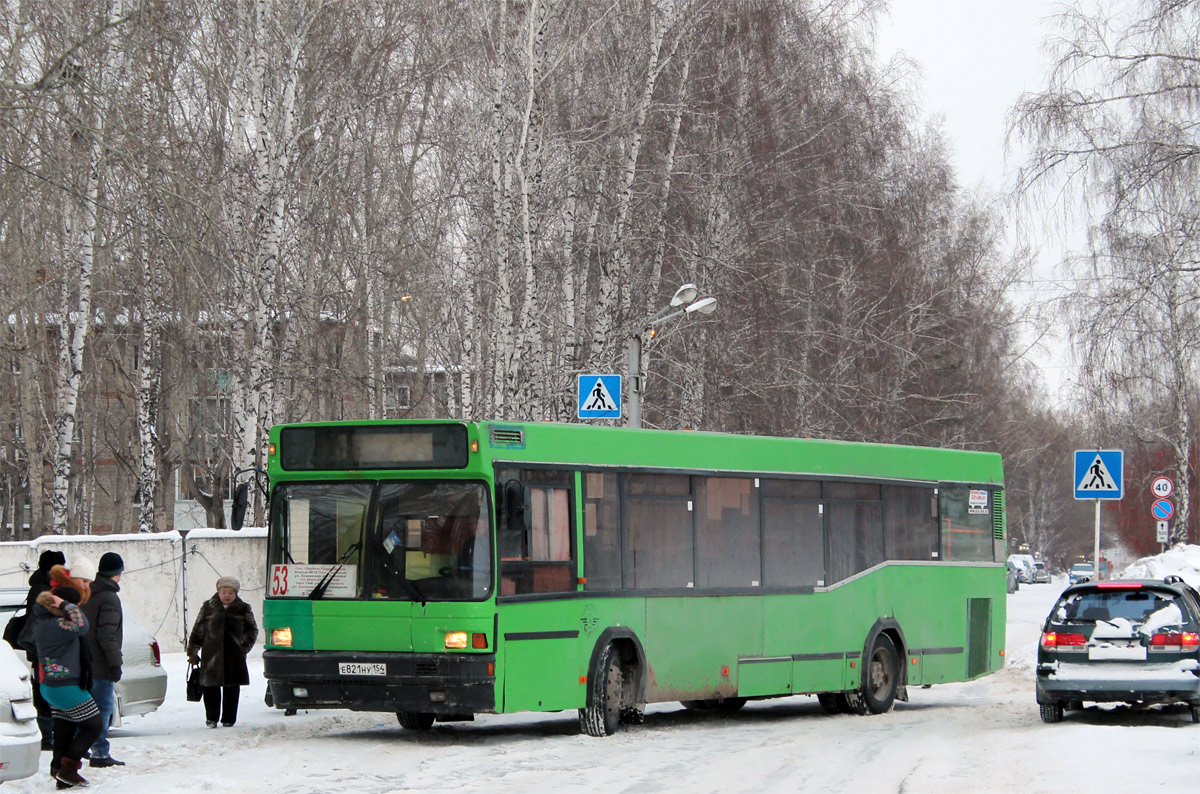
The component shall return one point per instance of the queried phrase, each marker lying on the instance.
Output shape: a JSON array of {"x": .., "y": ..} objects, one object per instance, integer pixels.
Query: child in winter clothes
[{"x": 62, "y": 673}]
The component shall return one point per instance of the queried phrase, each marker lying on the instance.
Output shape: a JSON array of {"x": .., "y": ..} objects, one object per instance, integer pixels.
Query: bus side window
[{"x": 536, "y": 555}]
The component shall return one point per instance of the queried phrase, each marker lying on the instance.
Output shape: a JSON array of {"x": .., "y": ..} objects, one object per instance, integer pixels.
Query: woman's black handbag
[{"x": 193, "y": 683}]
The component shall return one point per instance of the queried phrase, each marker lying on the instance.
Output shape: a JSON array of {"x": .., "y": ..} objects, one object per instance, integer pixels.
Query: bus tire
[
  {"x": 881, "y": 676},
  {"x": 832, "y": 702},
  {"x": 415, "y": 720},
  {"x": 602, "y": 715}
]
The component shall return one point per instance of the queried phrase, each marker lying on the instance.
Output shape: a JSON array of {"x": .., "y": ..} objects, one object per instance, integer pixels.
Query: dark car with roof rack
[{"x": 1133, "y": 641}]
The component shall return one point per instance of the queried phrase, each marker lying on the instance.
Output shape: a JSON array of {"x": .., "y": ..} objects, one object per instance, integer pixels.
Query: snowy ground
[{"x": 983, "y": 736}]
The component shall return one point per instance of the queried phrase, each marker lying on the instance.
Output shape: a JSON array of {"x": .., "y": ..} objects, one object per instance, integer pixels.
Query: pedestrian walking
[
  {"x": 223, "y": 634},
  {"x": 104, "y": 637},
  {"x": 39, "y": 582},
  {"x": 63, "y": 675}
]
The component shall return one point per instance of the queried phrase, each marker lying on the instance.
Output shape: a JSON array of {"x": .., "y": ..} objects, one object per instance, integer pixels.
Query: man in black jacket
[{"x": 104, "y": 638}]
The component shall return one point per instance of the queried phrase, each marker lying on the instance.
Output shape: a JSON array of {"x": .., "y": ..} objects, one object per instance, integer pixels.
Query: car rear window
[{"x": 1141, "y": 607}]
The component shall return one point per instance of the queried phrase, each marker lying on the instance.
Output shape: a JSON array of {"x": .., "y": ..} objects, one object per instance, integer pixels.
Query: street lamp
[{"x": 684, "y": 297}]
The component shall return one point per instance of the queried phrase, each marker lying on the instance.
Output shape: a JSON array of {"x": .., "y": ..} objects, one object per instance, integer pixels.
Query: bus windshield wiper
[{"x": 318, "y": 592}]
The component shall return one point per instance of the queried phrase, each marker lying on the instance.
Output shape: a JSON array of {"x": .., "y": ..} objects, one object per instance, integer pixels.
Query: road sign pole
[
  {"x": 634, "y": 351},
  {"x": 1096, "y": 549}
]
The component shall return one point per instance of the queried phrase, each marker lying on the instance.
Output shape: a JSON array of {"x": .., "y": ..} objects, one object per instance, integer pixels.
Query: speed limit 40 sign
[{"x": 1162, "y": 487}]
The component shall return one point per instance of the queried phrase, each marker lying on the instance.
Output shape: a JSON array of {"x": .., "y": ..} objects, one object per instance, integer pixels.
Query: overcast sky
[{"x": 976, "y": 58}]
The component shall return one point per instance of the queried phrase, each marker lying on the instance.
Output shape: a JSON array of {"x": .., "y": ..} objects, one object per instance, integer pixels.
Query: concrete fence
[{"x": 168, "y": 575}]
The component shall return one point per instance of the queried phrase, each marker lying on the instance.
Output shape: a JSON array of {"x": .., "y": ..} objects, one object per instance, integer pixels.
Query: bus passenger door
[{"x": 540, "y": 633}]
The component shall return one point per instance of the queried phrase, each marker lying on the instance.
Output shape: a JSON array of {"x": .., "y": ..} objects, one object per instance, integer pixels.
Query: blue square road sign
[{"x": 1099, "y": 474}]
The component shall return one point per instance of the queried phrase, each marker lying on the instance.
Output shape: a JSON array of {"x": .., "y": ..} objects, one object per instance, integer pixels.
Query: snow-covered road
[{"x": 983, "y": 736}]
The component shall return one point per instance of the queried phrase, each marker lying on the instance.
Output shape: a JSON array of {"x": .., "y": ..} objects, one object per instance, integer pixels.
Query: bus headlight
[
  {"x": 456, "y": 639},
  {"x": 282, "y": 637}
]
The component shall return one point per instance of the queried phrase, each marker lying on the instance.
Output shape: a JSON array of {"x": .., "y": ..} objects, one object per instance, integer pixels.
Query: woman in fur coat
[
  {"x": 223, "y": 634},
  {"x": 63, "y": 675}
]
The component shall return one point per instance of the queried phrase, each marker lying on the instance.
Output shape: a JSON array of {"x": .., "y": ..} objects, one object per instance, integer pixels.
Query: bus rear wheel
[
  {"x": 415, "y": 720},
  {"x": 881, "y": 676},
  {"x": 833, "y": 702},
  {"x": 602, "y": 715}
]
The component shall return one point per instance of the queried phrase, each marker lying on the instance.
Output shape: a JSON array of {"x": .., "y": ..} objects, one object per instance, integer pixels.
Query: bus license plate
[{"x": 358, "y": 668}]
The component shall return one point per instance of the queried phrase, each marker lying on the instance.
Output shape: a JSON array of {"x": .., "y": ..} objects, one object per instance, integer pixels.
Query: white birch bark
[
  {"x": 74, "y": 325},
  {"x": 150, "y": 378},
  {"x": 529, "y": 390},
  {"x": 654, "y": 281},
  {"x": 271, "y": 146},
  {"x": 614, "y": 297}
]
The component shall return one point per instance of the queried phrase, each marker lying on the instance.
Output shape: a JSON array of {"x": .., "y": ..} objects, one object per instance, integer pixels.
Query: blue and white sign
[
  {"x": 1162, "y": 509},
  {"x": 1099, "y": 474},
  {"x": 599, "y": 397}
]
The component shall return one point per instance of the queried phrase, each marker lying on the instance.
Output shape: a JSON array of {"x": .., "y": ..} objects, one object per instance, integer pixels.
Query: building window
[{"x": 397, "y": 396}]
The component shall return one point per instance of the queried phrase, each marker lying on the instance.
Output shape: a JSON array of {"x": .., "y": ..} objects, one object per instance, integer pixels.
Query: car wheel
[
  {"x": 1195, "y": 713},
  {"x": 415, "y": 720},
  {"x": 1051, "y": 712}
]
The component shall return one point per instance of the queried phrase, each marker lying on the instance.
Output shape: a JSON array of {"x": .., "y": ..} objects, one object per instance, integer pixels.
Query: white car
[
  {"x": 143, "y": 684},
  {"x": 20, "y": 740}
]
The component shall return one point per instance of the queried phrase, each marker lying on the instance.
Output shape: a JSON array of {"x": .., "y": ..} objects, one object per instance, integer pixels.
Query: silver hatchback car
[
  {"x": 20, "y": 741},
  {"x": 143, "y": 684}
]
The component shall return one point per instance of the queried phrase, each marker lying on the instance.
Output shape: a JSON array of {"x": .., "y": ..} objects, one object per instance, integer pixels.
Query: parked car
[
  {"x": 143, "y": 684},
  {"x": 1133, "y": 641},
  {"x": 1024, "y": 563},
  {"x": 1014, "y": 578},
  {"x": 20, "y": 740},
  {"x": 1081, "y": 572},
  {"x": 1041, "y": 574}
]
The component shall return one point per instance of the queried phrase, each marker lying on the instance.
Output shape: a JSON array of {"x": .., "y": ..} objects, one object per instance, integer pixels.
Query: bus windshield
[{"x": 414, "y": 540}]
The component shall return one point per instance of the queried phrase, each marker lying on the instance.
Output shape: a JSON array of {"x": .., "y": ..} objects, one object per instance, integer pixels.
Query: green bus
[{"x": 442, "y": 569}]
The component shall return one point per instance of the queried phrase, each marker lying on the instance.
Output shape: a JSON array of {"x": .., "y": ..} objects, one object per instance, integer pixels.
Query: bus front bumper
[{"x": 435, "y": 683}]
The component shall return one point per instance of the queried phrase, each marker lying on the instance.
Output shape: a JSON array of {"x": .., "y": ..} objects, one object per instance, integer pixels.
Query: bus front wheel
[
  {"x": 602, "y": 715},
  {"x": 415, "y": 720}
]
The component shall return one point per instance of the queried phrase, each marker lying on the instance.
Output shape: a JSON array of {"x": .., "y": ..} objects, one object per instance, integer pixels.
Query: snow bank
[{"x": 1182, "y": 560}]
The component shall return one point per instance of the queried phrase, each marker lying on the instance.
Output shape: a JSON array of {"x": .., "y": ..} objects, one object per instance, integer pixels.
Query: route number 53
[{"x": 279, "y": 580}]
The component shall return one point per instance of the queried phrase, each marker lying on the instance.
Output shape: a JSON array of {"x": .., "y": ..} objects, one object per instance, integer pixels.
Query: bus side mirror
[
  {"x": 241, "y": 498},
  {"x": 515, "y": 505}
]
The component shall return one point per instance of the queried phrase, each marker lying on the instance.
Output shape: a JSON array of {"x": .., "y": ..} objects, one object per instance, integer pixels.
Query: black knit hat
[
  {"x": 51, "y": 558},
  {"x": 111, "y": 564},
  {"x": 68, "y": 593}
]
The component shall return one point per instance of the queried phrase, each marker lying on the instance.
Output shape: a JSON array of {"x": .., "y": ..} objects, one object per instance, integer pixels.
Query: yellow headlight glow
[
  {"x": 282, "y": 637},
  {"x": 456, "y": 639}
]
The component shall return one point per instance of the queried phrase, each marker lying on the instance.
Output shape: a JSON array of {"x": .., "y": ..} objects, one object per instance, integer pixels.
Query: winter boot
[{"x": 69, "y": 773}]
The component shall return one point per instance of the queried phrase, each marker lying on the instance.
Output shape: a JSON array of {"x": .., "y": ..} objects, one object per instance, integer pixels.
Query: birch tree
[{"x": 1114, "y": 130}]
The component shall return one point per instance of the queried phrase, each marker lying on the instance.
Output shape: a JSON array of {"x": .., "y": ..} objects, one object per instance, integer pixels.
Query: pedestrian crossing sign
[
  {"x": 1099, "y": 474},
  {"x": 599, "y": 397}
]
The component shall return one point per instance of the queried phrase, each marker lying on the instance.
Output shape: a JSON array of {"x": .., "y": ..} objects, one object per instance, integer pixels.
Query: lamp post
[{"x": 682, "y": 304}]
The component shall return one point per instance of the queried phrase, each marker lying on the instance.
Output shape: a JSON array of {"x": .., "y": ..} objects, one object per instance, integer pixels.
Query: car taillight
[
  {"x": 1185, "y": 642},
  {"x": 155, "y": 653},
  {"x": 1054, "y": 640}
]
